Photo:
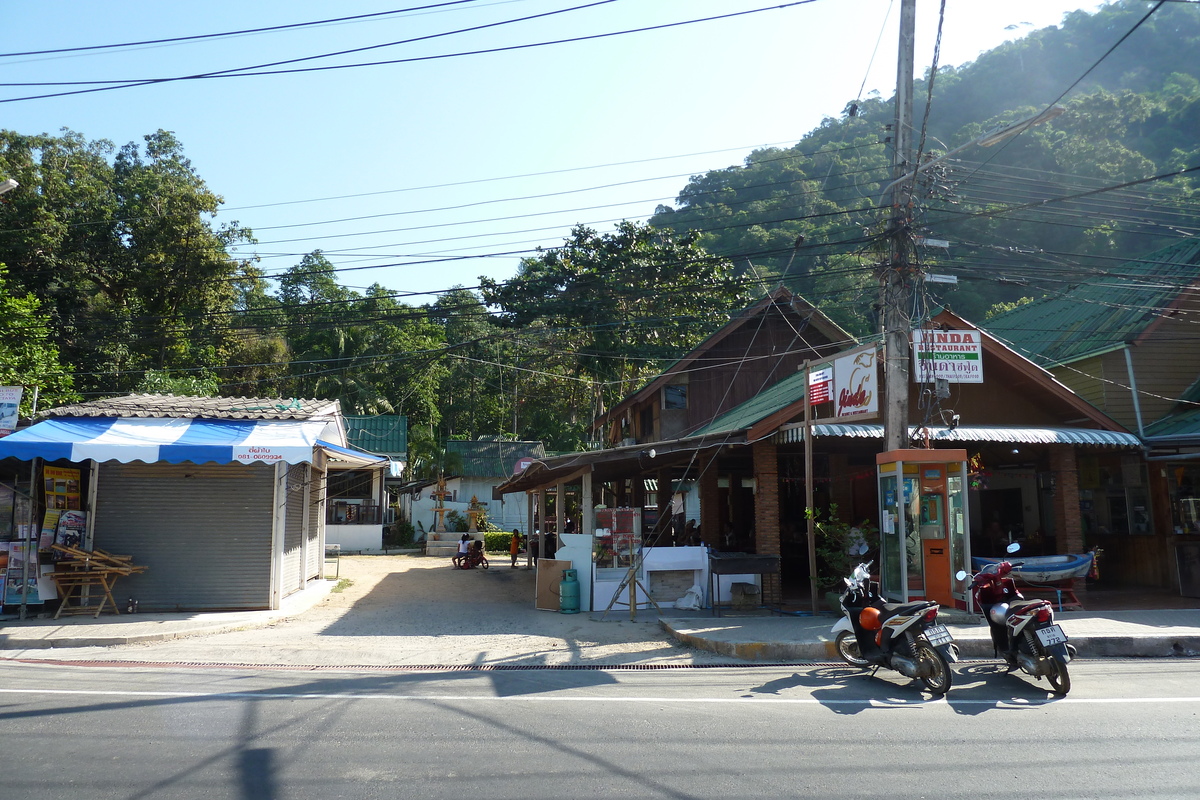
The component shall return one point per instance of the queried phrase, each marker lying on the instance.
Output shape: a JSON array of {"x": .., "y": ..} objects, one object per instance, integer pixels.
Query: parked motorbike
[
  {"x": 905, "y": 637},
  {"x": 1023, "y": 631}
]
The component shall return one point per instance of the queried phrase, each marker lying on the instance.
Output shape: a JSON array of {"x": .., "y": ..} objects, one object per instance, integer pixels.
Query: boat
[{"x": 1043, "y": 569}]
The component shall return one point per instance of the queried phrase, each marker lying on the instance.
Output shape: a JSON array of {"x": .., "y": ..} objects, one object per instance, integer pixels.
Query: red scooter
[{"x": 1022, "y": 630}]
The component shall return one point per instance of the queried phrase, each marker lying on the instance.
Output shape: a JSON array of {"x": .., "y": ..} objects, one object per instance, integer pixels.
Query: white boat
[{"x": 1044, "y": 569}]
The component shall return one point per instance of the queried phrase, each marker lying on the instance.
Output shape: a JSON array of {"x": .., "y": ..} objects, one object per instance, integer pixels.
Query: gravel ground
[{"x": 417, "y": 611}]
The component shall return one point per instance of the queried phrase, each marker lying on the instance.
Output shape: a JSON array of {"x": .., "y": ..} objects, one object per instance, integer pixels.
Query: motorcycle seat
[
  {"x": 898, "y": 609},
  {"x": 1021, "y": 606}
]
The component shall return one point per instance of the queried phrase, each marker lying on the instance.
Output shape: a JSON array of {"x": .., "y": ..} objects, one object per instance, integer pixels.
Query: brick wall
[
  {"x": 766, "y": 512},
  {"x": 668, "y": 585},
  {"x": 1068, "y": 529}
]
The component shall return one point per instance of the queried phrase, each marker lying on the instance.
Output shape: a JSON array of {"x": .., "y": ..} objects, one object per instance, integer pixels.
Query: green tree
[
  {"x": 27, "y": 356},
  {"x": 610, "y": 309}
]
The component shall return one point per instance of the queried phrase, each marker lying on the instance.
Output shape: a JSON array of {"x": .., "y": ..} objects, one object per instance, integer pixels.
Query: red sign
[
  {"x": 522, "y": 464},
  {"x": 820, "y": 386}
]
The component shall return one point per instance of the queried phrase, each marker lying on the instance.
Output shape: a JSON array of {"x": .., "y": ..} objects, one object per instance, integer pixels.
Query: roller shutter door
[
  {"x": 314, "y": 552},
  {"x": 295, "y": 516},
  {"x": 202, "y": 531}
]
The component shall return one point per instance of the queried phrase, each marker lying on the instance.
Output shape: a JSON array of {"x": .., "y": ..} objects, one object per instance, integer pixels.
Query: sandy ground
[{"x": 417, "y": 611}]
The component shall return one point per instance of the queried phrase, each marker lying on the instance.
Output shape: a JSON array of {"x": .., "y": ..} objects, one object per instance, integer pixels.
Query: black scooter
[{"x": 905, "y": 637}]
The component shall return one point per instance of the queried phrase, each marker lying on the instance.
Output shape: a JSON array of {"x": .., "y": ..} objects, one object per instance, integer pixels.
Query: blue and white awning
[{"x": 173, "y": 441}]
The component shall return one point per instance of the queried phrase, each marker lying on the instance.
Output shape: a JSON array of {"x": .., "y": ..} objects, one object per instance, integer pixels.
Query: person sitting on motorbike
[{"x": 464, "y": 545}]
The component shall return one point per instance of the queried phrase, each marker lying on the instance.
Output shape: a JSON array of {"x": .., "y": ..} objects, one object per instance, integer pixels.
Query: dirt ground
[{"x": 414, "y": 610}]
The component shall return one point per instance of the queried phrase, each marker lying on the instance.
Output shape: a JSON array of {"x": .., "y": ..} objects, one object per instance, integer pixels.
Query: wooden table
[
  {"x": 82, "y": 569},
  {"x": 74, "y": 582}
]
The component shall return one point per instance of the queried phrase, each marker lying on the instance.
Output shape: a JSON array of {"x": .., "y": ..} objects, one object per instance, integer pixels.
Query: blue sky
[{"x": 521, "y": 144}]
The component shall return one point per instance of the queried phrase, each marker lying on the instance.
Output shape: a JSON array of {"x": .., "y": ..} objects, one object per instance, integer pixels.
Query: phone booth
[{"x": 923, "y": 532}]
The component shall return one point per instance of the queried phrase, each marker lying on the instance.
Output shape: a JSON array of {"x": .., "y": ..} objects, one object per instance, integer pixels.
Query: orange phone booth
[{"x": 923, "y": 525}]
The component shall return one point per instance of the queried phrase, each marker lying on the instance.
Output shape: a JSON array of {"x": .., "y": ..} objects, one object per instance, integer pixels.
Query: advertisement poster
[
  {"x": 18, "y": 581},
  {"x": 10, "y": 402},
  {"x": 49, "y": 527},
  {"x": 62, "y": 488},
  {"x": 72, "y": 527},
  {"x": 8, "y": 507}
]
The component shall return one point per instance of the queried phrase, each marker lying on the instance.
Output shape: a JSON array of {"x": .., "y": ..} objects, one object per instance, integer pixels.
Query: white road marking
[{"x": 466, "y": 698}]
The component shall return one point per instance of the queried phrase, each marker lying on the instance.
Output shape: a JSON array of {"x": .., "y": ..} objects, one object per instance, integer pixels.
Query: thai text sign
[
  {"x": 953, "y": 356},
  {"x": 855, "y": 383}
]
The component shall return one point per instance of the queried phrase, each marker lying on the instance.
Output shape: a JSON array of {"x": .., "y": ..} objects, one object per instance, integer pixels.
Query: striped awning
[
  {"x": 176, "y": 441},
  {"x": 1005, "y": 434}
]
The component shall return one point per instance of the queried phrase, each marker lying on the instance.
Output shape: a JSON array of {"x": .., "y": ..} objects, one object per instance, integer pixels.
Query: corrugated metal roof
[
  {"x": 483, "y": 458},
  {"x": 1008, "y": 434},
  {"x": 171, "y": 406},
  {"x": 1111, "y": 308},
  {"x": 1185, "y": 424},
  {"x": 381, "y": 433}
]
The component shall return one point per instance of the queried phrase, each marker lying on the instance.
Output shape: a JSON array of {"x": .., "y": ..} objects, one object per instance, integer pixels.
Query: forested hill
[{"x": 1132, "y": 113}]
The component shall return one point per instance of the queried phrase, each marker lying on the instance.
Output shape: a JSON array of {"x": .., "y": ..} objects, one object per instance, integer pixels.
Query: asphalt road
[{"x": 1128, "y": 729}]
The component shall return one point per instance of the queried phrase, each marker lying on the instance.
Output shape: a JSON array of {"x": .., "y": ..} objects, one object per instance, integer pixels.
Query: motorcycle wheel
[
  {"x": 1060, "y": 679},
  {"x": 939, "y": 680},
  {"x": 847, "y": 647}
]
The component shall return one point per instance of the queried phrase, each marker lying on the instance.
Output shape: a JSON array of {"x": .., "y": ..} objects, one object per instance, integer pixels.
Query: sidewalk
[{"x": 414, "y": 610}]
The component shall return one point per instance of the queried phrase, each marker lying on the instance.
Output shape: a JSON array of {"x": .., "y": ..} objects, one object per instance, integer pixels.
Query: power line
[{"x": 239, "y": 72}]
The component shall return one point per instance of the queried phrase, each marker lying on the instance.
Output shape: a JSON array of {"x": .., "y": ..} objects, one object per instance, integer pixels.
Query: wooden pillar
[
  {"x": 665, "y": 537},
  {"x": 710, "y": 502},
  {"x": 1068, "y": 529},
  {"x": 766, "y": 512}
]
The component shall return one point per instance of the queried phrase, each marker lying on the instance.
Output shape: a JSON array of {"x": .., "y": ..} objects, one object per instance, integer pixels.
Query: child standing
[{"x": 514, "y": 547}]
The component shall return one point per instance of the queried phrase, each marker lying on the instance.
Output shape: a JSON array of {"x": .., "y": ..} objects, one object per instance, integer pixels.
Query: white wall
[{"x": 355, "y": 537}]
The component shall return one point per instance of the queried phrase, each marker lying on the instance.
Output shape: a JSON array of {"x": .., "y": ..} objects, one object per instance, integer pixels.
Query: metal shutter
[
  {"x": 202, "y": 531},
  {"x": 314, "y": 551},
  {"x": 295, "y": 515}
]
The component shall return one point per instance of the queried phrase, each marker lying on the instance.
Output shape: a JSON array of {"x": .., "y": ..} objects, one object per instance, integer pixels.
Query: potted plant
[{"x": 840, "y": 547}]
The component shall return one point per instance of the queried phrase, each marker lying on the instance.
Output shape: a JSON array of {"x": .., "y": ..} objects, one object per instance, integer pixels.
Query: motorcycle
[
  {"x": 1022, "y": 630},
  {"x": 905, "y": 637}
]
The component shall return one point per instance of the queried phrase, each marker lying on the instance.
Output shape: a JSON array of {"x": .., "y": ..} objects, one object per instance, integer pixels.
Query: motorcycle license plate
[
  {"x": 1052, "y": 634},
  {"x": 939, "y": 635}
]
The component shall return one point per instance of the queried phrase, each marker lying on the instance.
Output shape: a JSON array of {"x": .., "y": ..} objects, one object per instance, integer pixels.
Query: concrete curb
[{"x": 971, "y": 646}]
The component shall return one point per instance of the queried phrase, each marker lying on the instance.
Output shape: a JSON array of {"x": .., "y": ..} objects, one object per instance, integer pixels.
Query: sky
[{"x": 465, "y": 156}]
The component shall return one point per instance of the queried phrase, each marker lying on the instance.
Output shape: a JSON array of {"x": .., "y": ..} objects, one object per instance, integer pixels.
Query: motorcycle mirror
[
  {"x": 1012, "y": 548},
  {"x": 961, "y": 575}
]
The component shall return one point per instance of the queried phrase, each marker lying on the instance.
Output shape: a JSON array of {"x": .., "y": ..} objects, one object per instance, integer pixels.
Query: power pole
[{"x": 894, "y": 287}]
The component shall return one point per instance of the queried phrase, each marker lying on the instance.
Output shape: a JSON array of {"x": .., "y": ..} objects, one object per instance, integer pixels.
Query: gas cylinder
[{"x": 568, "y": 592}]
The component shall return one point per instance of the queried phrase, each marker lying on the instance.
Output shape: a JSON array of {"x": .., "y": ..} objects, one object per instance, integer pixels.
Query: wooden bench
[{"x": 83, "y": 569}]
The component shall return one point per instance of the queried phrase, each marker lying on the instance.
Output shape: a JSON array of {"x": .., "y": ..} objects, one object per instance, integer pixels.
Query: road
[{"x": 1129, "y": 728}]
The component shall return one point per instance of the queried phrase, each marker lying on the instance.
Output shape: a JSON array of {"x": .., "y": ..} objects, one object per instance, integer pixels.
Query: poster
[
  {"x": 62, "y": 488},
  {"x": 10, "y": 402},
  {"x": 18, "y": 581},
  {"x": 49, "y": 527},
  {"x": 72, "y": 527}
]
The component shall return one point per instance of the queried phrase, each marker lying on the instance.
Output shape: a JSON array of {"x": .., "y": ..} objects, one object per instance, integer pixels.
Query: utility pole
[{"x": 895, "y": 296}]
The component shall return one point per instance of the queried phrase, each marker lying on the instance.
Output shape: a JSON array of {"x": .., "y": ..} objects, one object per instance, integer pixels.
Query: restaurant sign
[{"x": 952, "y": 356}]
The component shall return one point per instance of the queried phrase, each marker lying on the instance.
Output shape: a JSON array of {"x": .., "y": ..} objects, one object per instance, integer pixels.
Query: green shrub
[
  {"x": 456, "y": 522},
  {"x": 399, "y": 535},
  {"x": 497, "y": 541}
]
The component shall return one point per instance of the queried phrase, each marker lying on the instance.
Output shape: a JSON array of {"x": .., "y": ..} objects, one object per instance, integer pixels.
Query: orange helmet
[{"x": 869, "y": 619}]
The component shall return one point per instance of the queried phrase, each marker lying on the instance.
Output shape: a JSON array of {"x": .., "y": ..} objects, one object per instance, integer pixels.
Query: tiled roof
[
  {"x": 184, "y": 407},
  {"x": 379, "y": 433},
  {"x": 1105, "y": 312},
  {"x": 492, "y": 458}
]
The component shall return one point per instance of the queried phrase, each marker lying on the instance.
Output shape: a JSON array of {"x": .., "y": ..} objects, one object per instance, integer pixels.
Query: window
[{"x": 675, "y": 396}]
